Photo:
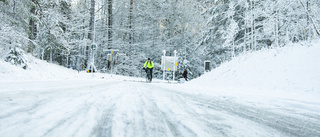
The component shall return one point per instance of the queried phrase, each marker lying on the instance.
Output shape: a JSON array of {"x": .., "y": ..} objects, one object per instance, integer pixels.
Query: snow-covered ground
[
  {"x": 288, "y": 77},
  {"x": 265, "y": 93}
]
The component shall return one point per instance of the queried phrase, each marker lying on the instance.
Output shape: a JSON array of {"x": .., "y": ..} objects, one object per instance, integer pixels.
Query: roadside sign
[
  {"x": 169, "y": 63},
  {"x": 111, "y": 51}
]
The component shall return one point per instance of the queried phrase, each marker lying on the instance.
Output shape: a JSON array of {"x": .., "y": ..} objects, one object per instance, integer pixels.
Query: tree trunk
[
  {"x": 109, "y": 24},
  {"x": 276, "y": 24},
  {"x": 78, "y": 58},
  {"x": 51, "y": 54},
  {"x": 245, "y": 32},
  {"x": 33, "y": 30},
  {"x": 91, "y": 25},
  {"x": 131, "y": 24},
  {"x": 14, "y": 7},
  {"x": 91, "y": 34},
  {"x": 252, "y": 27},
  {"x": 308, "y": 14},
  {"x": 308, "y": 23}
]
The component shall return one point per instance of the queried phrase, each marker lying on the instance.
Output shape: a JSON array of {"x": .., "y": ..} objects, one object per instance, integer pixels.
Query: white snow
[
  {"x": 290, "y": 75},
  {"x": 272, "y": 92}
]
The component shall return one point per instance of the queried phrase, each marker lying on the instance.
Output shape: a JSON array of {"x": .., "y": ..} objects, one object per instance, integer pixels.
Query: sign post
[
  {"x": 110, "y": 53},
  {"x": 163, "y": 62},
  {"x": 174, "y": 61},
  {"x": 91, "y": 67},
  {"x": 93, "y": 48}
]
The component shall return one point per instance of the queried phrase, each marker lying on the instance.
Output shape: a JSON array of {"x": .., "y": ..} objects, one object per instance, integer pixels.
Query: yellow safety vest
[{"x": 149, "y": 65}]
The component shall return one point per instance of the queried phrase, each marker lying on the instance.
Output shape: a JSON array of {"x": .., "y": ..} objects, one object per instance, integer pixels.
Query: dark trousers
[{"x": 150, "y": 71}]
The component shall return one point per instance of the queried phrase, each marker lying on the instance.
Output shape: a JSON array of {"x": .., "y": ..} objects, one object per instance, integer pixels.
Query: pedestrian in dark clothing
[{"x": 185, "y": 74}]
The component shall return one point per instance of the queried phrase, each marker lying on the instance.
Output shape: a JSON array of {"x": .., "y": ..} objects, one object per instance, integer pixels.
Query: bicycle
[{"x": 148, "y": 75}]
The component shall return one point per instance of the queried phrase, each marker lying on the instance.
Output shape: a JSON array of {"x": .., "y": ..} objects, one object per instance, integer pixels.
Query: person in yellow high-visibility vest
[{"x": 148, "y": 66}]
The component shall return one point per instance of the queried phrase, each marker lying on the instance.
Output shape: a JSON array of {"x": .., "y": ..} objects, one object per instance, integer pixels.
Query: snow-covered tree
[
  {"x": 16, "y": 56},
  {"x": 14, "y": 30},
  {"x": 10, "y": 25}
]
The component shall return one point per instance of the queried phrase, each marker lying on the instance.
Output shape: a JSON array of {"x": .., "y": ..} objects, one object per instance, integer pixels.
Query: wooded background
[{"x": 62, "y": 31}]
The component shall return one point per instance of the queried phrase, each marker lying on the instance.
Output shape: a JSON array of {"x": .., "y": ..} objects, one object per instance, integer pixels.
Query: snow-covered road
[{"x": 106, "y": 108}]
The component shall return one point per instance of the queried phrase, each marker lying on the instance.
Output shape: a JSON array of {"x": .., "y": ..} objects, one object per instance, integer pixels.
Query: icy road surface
[{"x": 101, "y": 108}]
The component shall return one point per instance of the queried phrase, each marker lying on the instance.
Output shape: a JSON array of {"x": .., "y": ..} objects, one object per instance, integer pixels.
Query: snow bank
[
  {"x": 291, "y": 72},
  {"x": 41, "y": 70}
]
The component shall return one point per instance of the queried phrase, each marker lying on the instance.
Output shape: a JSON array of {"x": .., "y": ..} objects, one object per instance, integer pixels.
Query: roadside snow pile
[
  {"x": 39, "y": 70},
  {"x": 290, "y": 71}
]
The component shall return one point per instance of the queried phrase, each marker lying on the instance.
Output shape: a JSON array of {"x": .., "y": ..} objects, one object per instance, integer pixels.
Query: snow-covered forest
[
  {"x": 63, "y": 31},
  {"x": 264, "y": 77}
]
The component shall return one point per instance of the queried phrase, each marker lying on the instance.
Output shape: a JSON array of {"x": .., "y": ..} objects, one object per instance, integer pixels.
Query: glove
[{"x": 143, "y": 68}]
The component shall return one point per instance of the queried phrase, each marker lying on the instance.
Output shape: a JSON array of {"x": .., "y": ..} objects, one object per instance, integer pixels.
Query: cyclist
[{"x": 149, "y": 65}]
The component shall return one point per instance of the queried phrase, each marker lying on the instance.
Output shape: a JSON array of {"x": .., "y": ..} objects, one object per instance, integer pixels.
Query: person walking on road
[{"x": 185, "y": 74}]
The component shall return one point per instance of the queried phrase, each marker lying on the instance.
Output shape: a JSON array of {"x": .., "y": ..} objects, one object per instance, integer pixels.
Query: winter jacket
[
  {"x": 185, "y": 74},
  {"x": 148, "y": 64}
]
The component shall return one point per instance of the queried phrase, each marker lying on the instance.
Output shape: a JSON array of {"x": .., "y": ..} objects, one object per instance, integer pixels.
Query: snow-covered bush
[{"x": 16, "y": 57}]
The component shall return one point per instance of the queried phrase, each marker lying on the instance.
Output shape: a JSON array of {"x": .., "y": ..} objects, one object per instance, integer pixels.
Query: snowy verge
[
  {"x": 39, "y": 70},
  {"x": 287, "y": 77},
  {"x": 290, "y": 69}
]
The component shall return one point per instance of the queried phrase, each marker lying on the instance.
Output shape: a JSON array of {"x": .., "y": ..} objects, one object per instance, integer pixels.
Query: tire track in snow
[
  {"x": 165, "y": 114},
  {"x": 57, "y": 113},
  {"x": 103, "y": 127},
  {"x": 118, "y": 109},
  {"x": 172, "y": 115},
  {"x": 186, "y": 117},
  {"x": 128, "y": 117},
  {"x": 163, "y": 122},
  {"x": 298, "y": 125},
  {"x": 70, "y": 117},
  {"x": 21, "y": 96}
]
